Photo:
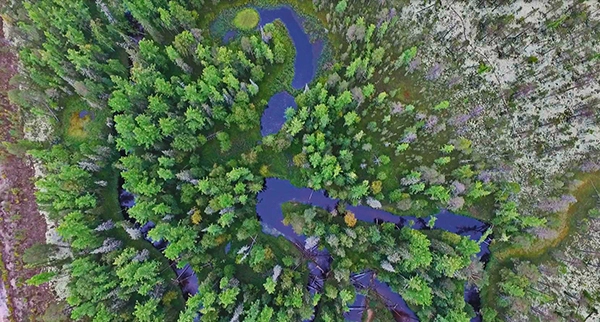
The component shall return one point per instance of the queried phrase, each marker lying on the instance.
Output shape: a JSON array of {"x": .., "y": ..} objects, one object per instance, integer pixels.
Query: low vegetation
[{"x": 246, "y": 19}]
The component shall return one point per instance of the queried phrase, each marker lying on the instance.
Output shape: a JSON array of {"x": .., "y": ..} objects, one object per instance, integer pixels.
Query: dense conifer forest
[{"x": 324, "y": 160}]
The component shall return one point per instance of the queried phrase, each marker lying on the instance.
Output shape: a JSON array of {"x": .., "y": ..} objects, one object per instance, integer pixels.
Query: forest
[{"x": 296, "y": 160}]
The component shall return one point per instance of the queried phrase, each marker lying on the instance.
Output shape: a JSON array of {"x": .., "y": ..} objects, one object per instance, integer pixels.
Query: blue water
[
  {"x": 228, "y": 36},
  {"x": 393, "y": 300},
  {"x": 305, "y": 64},
  {"x": 307, "y": 53},
  {"x": 188, "y": 280},
  {"x": 84, "y": 113},
  {"x": 273, "y": 117},
  {"x": 278, "y": 192},
  {"x": 268, "y": 208}
]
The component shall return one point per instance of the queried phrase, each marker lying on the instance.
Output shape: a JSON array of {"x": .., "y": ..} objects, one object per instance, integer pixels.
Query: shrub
[{"x": 349, "y": 219}]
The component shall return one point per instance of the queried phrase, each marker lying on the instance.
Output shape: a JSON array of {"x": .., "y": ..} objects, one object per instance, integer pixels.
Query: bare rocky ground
[{"x": 21, "y": 225}]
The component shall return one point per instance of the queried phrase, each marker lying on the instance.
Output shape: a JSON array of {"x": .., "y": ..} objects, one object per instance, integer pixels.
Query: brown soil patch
[
  {"x": 21, "y": 225},
  {"x": 77, "y": 125}
]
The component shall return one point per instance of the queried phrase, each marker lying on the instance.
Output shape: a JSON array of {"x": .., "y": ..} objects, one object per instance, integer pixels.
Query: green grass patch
[
  {"x": 279, "y": 77},
  {"x": 219, "y": 19},
  {"x": 90, "y": 128},
  {"x": 75, "y": 128},
  {"x": 220, "y": 16},
  {"x": 246, "y": 19},
  {"x": 279, "y": 165}
]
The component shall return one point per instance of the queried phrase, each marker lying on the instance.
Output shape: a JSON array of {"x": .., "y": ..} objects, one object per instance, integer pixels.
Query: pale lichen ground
[
  {"x": 578, "y": 274},
  {"x": 39, "y": 130},
  {"x": 541, "y": 102},
  {"x": 531, "y": 137},
  {"x": 4, "y": 312}
]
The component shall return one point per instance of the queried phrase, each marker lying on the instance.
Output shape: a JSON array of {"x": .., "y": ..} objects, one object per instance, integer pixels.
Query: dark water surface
[
  {"x": 229, "y": 36},
  {"x": 273, "y": 117},
  {"x": 278, "y": 192},
  {"x": 268, "y": 208},
  {"x": 305, "y": 65},
  {"x": 393, "y": 300},
  {"x": 307, "y": 53},
  {"x": 84, "y": 113},
  {"x": 188, "y": 281}
]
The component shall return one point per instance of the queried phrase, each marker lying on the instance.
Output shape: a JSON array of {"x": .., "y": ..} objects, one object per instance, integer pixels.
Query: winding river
[
  {"x": 305, "y": 65},
  {"x": 268, "y": 208},
  {"x": 278, "y": 191}
]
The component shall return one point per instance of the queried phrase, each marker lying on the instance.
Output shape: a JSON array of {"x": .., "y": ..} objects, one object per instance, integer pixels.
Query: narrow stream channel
[
  {"x": 278, "y": 191},
  {"x": 268, "y": 208},
  {"x": 305, "y": 64},
  {"x": 188, "y": 281},
  {"x": 307, "y": 52}
]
